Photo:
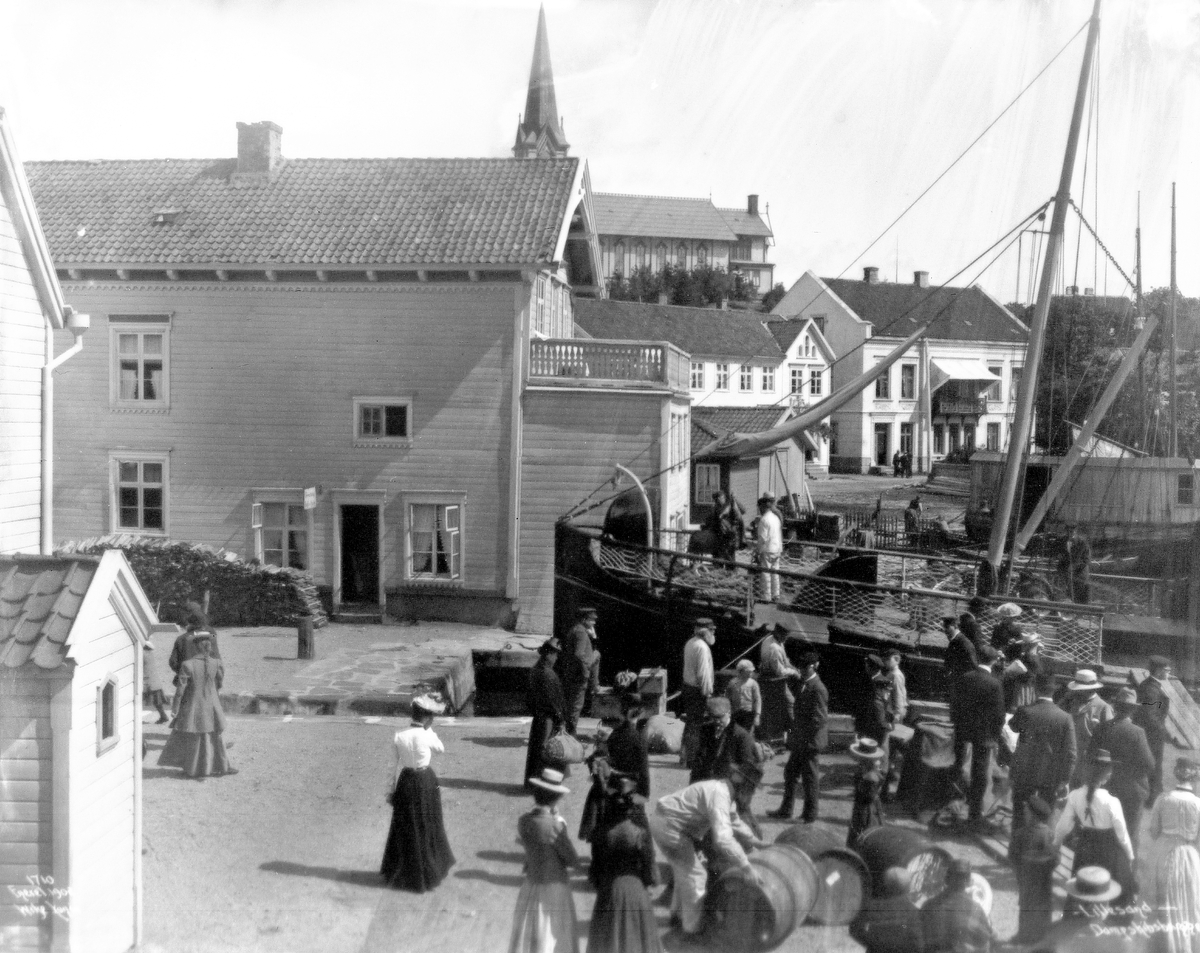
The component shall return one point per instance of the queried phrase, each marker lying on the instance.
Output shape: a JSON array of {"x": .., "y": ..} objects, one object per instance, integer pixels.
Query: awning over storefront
[{"x": 943, "y": 369}]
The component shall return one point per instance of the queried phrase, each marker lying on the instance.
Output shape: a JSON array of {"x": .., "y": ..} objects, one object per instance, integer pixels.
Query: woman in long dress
[
  {"x": 1175, "y": 875},
  {"x": 544, "y": 920},
  {"x": 623, "y": 918},
  {"x": 196, "y": 743},
  {"x": 1102, "y": 837},
  {"x": 417, "y": 855},
  {"x": 547, "y": 705}
]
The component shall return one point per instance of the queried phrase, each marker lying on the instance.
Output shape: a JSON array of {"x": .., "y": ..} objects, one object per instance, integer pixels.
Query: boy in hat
[
  {"x": 768, "y": 548},
  {"x": 744, "y": 696},
  {"x": 867, "y": 811},
  {"x": 1034, "y": 853}
]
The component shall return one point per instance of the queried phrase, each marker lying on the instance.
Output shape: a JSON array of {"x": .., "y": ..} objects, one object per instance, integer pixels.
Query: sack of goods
[{"x": 564, "y": 749}]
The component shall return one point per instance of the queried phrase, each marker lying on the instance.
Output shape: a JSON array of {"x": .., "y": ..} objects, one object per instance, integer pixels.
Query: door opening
[{"x": 360, "y": 553}]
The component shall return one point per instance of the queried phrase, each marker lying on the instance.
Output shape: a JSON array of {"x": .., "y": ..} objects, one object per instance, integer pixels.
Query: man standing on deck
[
  {"x": 578, "y": 666},
  {"x": 1045, "y": 757},
  {"x": 1133, "y": 761},
  {"x": 977, "y": 713},
  {"x": 808, "y": 738},
  {"x": 960, "y": 651},
  {"x": 698, "y": 685},
  {"x": 1152, "y": 717},
  {"x": 775, "y": 675},
  {"x": 1090, "y": 713},
  {"x": 768, "y": 548}
]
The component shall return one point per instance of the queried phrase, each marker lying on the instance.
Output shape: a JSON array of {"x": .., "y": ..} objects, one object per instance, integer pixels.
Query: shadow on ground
[
  {"x": 500, "y": 742},
  {"x": 361, "y": 878},
  {"x": 495, "y": 787}
]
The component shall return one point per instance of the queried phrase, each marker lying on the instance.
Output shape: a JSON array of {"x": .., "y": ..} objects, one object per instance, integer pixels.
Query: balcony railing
[
  {"x": 631, "y": 362},
  {"x": 958, "y": 405}
]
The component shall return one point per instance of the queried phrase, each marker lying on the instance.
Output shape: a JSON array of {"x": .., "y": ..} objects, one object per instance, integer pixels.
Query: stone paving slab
[{"x": 358, "y": 669}]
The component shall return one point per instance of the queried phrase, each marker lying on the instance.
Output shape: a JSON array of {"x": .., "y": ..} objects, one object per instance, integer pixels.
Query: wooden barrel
[
  {"x": 751, "y": 916},
  {"x": 843, "y": 881},
  {"x": 887, "y": 846}
]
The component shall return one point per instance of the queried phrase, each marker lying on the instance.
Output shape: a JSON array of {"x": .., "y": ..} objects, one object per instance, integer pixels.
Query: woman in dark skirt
[
  {"x": 623, "y": 918},
  {"x": 1097, "y": 819},
  {"x": 417, "y": 856},
  {"x": 548, "y": 707}
]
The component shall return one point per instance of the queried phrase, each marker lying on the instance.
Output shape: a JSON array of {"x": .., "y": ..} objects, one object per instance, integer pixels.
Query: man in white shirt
[
  {"x": 681, "y": 820},
  {"x": 768, "y": 548},
  {"x": 698, "y": 684}
]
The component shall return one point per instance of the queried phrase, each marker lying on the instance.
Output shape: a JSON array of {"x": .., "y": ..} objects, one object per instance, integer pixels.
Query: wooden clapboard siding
[
  {"x": 571, "y": 441},
  {"x": 22, "y": 353},
  {"x": 26, "y": 783},
  {"x": 261, "y": 386}
]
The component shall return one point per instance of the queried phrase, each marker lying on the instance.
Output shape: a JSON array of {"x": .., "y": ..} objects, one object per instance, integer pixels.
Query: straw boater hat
[
  {"x": 1085, "y": 681},
  {"x": 866, "y": 749},
  {"x": 430, "y": 703},
  {"x": 550, "y": 780},
  {"x": 745, "y": 665},
  {"x": 1093, "y": 885},
  {"x": 1008, "y": 610}
]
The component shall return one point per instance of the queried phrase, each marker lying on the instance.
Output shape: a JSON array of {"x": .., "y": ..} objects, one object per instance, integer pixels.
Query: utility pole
[
  {"x": 1139, "y": 314},
  {"x": 1174, "y": 408}
]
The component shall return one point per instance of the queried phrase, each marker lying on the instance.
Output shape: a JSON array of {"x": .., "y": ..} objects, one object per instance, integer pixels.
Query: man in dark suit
[
  {"x": 578, "y": 665},
  {"x": 960, "y": 651},
  {"x": 1152, "y": 717},
  {"x": 1045, "y": 757},
  {"x": 722, "y": 743},
  {"x": 808, "y": 738},
  {"x": 968, "y": 622},
  {"x": 1133, "y": 760},
  {"x": 977, "y": 712}
]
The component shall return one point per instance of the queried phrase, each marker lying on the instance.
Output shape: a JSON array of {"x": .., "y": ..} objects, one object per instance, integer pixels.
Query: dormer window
[{"x": 166, "y": 216}]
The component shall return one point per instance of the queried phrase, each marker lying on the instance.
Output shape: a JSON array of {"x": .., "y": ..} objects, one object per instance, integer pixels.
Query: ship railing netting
[{"x": 912, "y": 595}]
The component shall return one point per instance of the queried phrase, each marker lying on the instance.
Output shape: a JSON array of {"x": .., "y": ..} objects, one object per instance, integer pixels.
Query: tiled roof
[
  {"x": 785, "y": 332},
  {"x": 964, "y": 314},
  {"x": 701, "y": 332},
  {"x": 40, "y": 597},
  {"x": 655, "y": 216},
  {"x": 746, "y": 223},
  {"x": 364, "y": 212},
  {"x": 712, "y": 423}
]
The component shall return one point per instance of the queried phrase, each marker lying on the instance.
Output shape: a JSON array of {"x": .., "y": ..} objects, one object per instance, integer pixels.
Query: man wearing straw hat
[
  {"x": 1133, "y": 761},
  {"x": 1089, "y": 894},
  {"x": 680, "y": 821},
  {"x": 1088, "y": 711},
  {"x": 1007, "y": 629}
]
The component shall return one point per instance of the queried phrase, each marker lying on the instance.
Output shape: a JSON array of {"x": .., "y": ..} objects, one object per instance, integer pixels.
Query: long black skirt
[
  {"x": 417, "y": 856},
  {"x": 623, "y": 919},
  {"x": 1099, "y": 847}
]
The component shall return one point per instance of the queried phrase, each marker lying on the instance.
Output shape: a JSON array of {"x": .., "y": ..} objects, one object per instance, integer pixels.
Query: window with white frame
[
  {"x": 883, "y": 385},
  {"x": 768, "y": 380},
  {"x": 107, "y": 706},
  {"x": 756, "y": 278},
  {"x": 993, "y": 392},
  {"x": 908, "y": 381},
  {"x": 797, "y": 380},
  {"x": 1014, "y": 387},
  {"x": 722, "y": 377},
  {"x": 697, "y": 375},
  {"x": 433, "y": 540},
  {"x": 382, "y": 421},
  {"x": 140, "y": 372},
  {"x": 281, "y": 532},
  {"x": 139, "y": 484},
  {"x": 680, "y": 438},
  {"x": 814, "y": 383},
  {"x": 809, "y": 350},
  {"x": 708, "y": 481},
  {"x": 746, "y": 378}
]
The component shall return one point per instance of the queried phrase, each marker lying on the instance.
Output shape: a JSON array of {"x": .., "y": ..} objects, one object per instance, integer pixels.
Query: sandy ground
[
  {"x": 841, "y": 492},
  {"x": 283, "y": 856}
]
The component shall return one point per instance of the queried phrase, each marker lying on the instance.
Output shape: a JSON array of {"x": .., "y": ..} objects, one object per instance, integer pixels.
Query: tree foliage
[
  {"x": 773, "y": 297},
  {"x": 700, "y": 287}
]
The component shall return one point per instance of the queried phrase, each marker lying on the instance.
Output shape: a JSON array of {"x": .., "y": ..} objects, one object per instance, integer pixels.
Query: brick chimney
[
  {"x": 752, "y": 204},
  {"x": 259, "y": 151},
  {"x": 871, "y": 275},
  {"x": 921, "y": 279}
]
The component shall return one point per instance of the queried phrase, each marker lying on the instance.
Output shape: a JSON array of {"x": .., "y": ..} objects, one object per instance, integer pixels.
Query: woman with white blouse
[
  {"x": 417, "y": 856},
  {"x": 1096, "y": 818},
  {"x": 1175, "y": 869}
]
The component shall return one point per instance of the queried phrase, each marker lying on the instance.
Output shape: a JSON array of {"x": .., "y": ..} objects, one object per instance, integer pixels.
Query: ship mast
[
  {"x": 1173, "y": 447},
  {"x": 1018, "y": 440}
]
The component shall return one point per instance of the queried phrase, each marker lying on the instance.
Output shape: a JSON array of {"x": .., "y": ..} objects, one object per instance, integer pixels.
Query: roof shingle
[
  {"x": 350, "y": 212},
  {"x": 701, "y": 332},
  {"x": 712, "y": 423},
  {"x": 656, "y": 216},
  {"x": 40, "y": 597}
]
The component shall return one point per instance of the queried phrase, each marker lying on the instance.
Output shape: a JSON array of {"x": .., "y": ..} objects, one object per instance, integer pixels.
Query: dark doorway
[
  {"x": 883, "y": 444},
  {"x": 360, "y": 554},
  {"x": 1037, "y": 480}
]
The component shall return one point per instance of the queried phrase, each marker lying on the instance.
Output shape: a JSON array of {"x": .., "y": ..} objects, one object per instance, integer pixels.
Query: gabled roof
[
  {"x": 656, "y": 216},
  {"x": 962, "y": 314},
  {"x": 745, "y": 222},
  {"x": 712, "y": 423},
  {"x": 701, "y": 332},
  {"x": 786, "y": 331},
  {"x": 311, "y": 212},
  {"x": 40, "y": 598}
]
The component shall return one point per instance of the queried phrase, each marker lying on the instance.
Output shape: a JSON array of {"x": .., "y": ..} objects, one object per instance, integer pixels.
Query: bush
[{"x": 240, "y": 593}]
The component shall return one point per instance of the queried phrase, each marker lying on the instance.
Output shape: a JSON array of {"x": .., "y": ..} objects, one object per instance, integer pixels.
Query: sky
[{"x": 837, "y": 113}]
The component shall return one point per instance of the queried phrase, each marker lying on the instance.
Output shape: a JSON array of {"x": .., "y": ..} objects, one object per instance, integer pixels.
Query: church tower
[{"x": 539, "y": 133}]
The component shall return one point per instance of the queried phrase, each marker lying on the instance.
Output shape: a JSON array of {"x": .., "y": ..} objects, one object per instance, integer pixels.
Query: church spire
[{"x": 539, "y": 134}]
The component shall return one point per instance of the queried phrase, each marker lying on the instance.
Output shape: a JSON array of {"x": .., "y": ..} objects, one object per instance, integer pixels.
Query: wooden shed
[{"x": 71, "y": 631}]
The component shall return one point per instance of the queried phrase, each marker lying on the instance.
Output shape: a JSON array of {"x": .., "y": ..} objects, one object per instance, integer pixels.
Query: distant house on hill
[{"x": 953, "y": 391}]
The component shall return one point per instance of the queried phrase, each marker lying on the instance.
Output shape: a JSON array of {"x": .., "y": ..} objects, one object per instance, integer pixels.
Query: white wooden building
[{"x": 71, "y": 631}]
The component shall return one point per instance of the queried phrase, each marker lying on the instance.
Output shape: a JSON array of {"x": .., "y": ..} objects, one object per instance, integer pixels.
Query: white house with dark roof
[
  {"x": 652, "y": 231},
  {"x": 953, "y": 392},
  {"x": 363, "y": 368}
]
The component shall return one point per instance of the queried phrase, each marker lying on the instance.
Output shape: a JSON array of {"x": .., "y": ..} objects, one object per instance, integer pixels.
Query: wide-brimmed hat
[
  {"x": 716, "y": 707},
  {"x": 430, "y": 702},
  {"x": 550, "y": 645},
  {"x": 550, "y": 780},
  {"x": 1093, "y": 885},
  {"x": 866, "y": 749},
  {"x": 1126, "y": 696},
  {"x": 1008, "y": 610},
  {"x": 1085, "y": 680},
  {"x": 744, "y": 665}
]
